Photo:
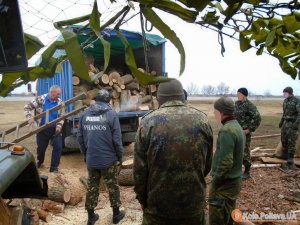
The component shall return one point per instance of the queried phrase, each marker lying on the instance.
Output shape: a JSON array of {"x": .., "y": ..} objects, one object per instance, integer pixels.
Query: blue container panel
[{"x": 63, "y": 79}]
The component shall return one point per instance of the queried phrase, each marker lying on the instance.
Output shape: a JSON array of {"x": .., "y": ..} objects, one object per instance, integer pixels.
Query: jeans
[{"x": 42, "y": 139}]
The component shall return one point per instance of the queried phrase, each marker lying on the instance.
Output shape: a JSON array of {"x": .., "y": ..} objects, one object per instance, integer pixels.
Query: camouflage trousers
[
  {"x": 289, "y": 137},
  {"x": 149, "y": 219},
  {"x": 247, "y": 154},
  {"x": 222, "y": 199},
  {"x": 110, "y": 178}
]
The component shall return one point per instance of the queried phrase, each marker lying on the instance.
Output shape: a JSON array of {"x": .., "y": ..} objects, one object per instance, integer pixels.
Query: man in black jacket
[{"x": 100, "y": 142}]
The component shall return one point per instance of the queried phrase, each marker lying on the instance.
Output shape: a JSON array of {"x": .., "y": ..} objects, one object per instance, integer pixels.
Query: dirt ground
[{"x": 262, "y": 193}]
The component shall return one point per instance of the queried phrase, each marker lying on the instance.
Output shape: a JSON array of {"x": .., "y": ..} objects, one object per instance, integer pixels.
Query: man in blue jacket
[{"x": 100, "y": 142}]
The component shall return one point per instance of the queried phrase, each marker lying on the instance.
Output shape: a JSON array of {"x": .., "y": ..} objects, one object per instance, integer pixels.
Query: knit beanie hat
[
  {"x": 170, "y": 91},
  {"x": 225, "y": 105},
  {"x": 288, "y": 90},
  {"x": 243, "y": 91}
]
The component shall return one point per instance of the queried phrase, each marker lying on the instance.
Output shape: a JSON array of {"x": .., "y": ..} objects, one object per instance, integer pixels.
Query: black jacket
[{"x": 100, "y": 136}]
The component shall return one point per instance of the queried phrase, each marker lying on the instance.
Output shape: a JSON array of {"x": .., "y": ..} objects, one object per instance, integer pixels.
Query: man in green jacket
[
  {"x": 249, "y": 118},
  {"x": 173, "y": 152},
  {"x": 289, "y": 125},
  {"x": 226, "y": 165}
]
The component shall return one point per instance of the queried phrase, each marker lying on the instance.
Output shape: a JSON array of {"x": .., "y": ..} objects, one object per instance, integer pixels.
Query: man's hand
[
  {"x": 246, "y": 131},
  {"x": 31, "y": 121},
  {"x": 58, "y": 129}
]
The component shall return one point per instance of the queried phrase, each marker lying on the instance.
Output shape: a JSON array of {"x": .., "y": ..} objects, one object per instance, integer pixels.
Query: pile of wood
[{"x": 127, "y": 94}]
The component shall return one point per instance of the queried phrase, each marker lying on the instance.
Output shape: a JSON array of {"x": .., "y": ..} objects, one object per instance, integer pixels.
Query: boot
[
  {"x": 246, "y": 173},
  {"x": 92, "y": 217},
  {"x": 117, "y": 215},
  {"x": 290, "y": 165},
  {"x": 284, "y": 155}
]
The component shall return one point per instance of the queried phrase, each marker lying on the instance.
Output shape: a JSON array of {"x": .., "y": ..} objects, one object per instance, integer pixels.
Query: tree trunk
[
  {"x": 126, "y": 177},
  {"x": 59, "y": 194},
  {"x": 128, "y": 164}
]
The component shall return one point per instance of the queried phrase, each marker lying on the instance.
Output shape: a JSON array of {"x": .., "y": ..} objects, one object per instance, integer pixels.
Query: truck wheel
[{"x": 71, "y": 144}]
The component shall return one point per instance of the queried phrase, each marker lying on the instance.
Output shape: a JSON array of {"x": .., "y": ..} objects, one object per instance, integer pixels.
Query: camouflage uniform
[
  {"x": 110, "y": 178},
  {"x": 226, "y": 172},
  {"x": 173, "y": 152},
  {"x": 289, "y": 125},
  {"x": 249, "y": 118}
]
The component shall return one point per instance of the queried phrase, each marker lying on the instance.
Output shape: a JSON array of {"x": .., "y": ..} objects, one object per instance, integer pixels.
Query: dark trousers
[
  {"x": 222, "y": 199},
  {"x": 43, "y": 138},
  {"x": 149, "y": 219},
  {"x": 110, "y": 176}
]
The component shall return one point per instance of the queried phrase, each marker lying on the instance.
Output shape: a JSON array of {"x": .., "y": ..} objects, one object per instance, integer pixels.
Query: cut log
[
  {"x": 116, "y": 105},
  {"x": 110, "y": 83},
  {"x": 265, "y": 165},
  {"x": 142, "y": 70},
  {"x": 82, "y": 88},
  {"x": 145, "y": 99},
  {"x": 144, "y": 107},
  {"x": 155, "y": 103},
  {"x": 83, "y": 180},
  {"x": 120, "y": 81},
  {"x": 129, "y": 108},
  {"x": 265, "y": 136},
  {"x": 114, "y": 81},
  {"x": 59, "y": 194},
  {"x": 114, "y": 75},
  {"x": 125, "y": 96},
  {"x": 76, "y": 196},
  {"x": 109, "y": 88},
  {"x": 126, "y": 177},
  {"x": 43, "y": 215},
  {"x": 134, "y": 100},
  {"x": 275, "y": 160},
  {"x": 117, "y": 88},
  {"x": 132, "y": 86},
  {"x": 88, "y": 102},
  {"x": 92, "y": 93},
  {"x": 153, "y": 88},
  {"x": 128, "y": 164},
  {"x": 104, "y": 79},
  {"x": 122, "y": 86},
  {"x": 53, "y": 207},
  {"x": 128, "y": 78},
  {"x": 34, "y": 217},
  {"x": 115, "y": 94},
  {"x": 75, "y": 80},
  {"x": 262, "y": 154}
]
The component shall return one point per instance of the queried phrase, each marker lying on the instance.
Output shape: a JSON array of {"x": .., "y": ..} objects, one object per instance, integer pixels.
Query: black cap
[
  {"x": 288, "y": 90},
  {"x": 243, "y": 91}
]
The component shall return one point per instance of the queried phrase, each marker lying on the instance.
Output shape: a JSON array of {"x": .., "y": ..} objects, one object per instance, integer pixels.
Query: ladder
[{"x": 47, "y": 124}]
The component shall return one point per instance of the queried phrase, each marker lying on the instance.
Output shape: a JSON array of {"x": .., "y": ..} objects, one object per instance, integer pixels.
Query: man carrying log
[
  {"x": 249, "y": 118},
  {"x": 173, "y": 153},
  {"x": 100, "y": 139},
  {"x": 41, "y": 104},
  {"x": 289, "y": 125}
]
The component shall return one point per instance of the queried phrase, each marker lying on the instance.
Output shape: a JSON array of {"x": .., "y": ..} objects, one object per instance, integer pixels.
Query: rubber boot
[
  {"x": 117, "y": 215},
  {"x": 92, "y": 217},
  {"x": 246, "y": 173},
  {"x": 290, "y": 165},
  {"x": 284, "y": 155}
]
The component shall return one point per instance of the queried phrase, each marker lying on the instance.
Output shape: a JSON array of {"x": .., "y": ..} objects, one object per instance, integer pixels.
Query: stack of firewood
[{"x": 127, "y": 94}]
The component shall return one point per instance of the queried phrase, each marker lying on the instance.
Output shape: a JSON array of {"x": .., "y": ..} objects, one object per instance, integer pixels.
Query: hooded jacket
[{"x": 100, "y": 136}]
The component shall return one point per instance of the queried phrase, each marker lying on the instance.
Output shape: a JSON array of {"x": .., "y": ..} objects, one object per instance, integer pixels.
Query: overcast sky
[{"x": 204, "y": 62}]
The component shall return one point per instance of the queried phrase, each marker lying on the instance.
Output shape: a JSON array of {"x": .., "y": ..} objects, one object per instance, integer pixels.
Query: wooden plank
[
  {"x": 69, "y": 101},
  {"x": 275, "y": 160},
  {"x": 265, "y": 136},
  {"x": 44, "y": 127},
  {"x": 17, "y": 214},
  {"x": 265, "y": 165}
]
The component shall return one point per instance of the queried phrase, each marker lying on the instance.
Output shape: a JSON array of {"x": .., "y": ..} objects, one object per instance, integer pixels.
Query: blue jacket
[{"x": 100, "y": 136}]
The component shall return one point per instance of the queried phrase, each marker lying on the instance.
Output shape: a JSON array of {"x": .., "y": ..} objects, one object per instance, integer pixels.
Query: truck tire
[
  {"x": 70, "y": 144},
  {"x": 126, "y": 177},
  {"x": 128, "y": 138}
]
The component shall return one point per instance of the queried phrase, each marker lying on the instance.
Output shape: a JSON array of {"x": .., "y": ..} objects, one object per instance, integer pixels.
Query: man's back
[{"x": 172, "y": 157}]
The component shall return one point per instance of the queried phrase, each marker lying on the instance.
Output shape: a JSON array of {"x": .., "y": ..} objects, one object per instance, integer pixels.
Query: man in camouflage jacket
[
  {"x": 249, "y": 118},
  {"x": 173, "y": 152},
  {"x": 289, "y": 125}
]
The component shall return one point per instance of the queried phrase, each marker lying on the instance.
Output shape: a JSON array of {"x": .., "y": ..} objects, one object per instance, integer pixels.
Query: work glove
[
  {"x": 280, "y": 123},
  {"x": 295, "y": 126},
  {"x": 31, "y": 121}
]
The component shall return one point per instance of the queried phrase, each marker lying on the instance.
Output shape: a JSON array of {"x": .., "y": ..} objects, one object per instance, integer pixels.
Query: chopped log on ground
[
  {"x": 75, "y": 80},
  {"x": 83, "y": 180},
  {"x": 59, "y": 194},
  {"x": 53, "y": 207},
  {"x": 62, "y": 181},
  {"x": 43, "y": 215},
  {"x": 262, "y": 154},
  {"x": 265, "y": 136},
  {"x": 126, "y": 177},
  {"x": 128, "y": 164},
  {"x": 76, "y": 196},
  {"x": 276, "y": 160}
]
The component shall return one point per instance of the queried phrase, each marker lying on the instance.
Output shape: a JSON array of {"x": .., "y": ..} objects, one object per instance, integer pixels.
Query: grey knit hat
[
  {"x": 225, "y": 105},
  {"x": 170, "y": 91},
  {"x": 288, "y": 90}
]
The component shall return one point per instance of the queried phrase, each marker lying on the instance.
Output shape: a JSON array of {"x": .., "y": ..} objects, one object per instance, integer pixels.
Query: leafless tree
[
  {"x": 192, "y": 89},
  {"x": 223, "y": 89},
  {"x": 208, "y": 90},
  {"x": 268, "y": 93}
]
